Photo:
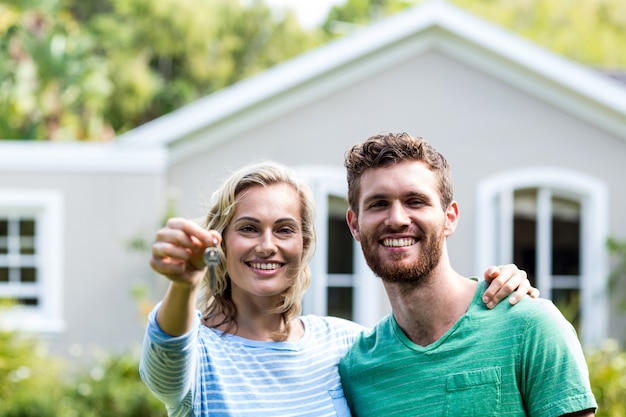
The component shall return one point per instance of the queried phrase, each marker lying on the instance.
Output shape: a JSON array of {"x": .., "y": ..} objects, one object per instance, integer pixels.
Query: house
[{"x": 537, "y": 145}]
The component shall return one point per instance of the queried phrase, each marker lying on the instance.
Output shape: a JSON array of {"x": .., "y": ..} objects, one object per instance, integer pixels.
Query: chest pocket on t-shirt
[
  {"x": 473, "y": 393},
  {"x": 339, "y": 402}
]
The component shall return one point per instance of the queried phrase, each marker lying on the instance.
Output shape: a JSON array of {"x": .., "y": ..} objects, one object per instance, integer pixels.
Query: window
[
  {"x": 340, "y": 255},
  {"x": 553, "y": 224},
  {"x": 342, "y": 284},
  {"x": 547, "y": 245},
  {"x": 17, "y": 259},
  {"x": 30, "y": 253}
]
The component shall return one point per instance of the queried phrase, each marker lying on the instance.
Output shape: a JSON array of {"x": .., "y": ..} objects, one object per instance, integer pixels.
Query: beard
[{"x": 395, "y": 269}]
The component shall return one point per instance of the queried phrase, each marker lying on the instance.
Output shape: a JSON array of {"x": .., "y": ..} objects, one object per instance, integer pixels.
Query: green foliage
[
  {"x": 52, "y": 83},
  {"x": 29, "y": 379},
  {"x": 617, "y": 278},
  {"x": 607, "y": 373},
  {"x": 592, "y": 32},
  {"x": 71, "y": 69},
  {"x": 33, "y": 384},
  {"x": 199, "y": 47},
  {"x": 359, "y": 13},
  {"x": 112, "y": 389}
]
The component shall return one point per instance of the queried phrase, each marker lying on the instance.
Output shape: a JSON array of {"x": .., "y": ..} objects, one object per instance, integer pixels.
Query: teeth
[
  {"x": 265, "y": 266},
  {"x": 397, "y": 243}
]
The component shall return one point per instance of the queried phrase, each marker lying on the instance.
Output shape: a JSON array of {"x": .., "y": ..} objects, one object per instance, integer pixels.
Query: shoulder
[
  {"x": 371, "y": 338},
  {"x": 370, "y": 347},
  {"x": 535, "y": 319},
  {"x": 535, "y": 309},
  {"x": 332, "y": 324}
]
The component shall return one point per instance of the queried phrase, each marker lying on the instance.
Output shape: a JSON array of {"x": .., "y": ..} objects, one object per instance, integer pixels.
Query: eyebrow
[
  {"x": 255, "y": 220},
  {"x": 385, "y": 196}
]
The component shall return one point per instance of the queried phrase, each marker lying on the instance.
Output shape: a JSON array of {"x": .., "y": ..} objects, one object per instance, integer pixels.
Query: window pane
[
  {"x": 525, "y": 231},
  {"x": 27, "y": 236},
  {"x": 340, "y": 302},
  {"x": 27, "y": 227},
  {"x": 340, "y": 245},
  {"x": 4, "y": 274},
  {"x": 28, "y": 275},
  {"x": 28, "y": 301},
  {"x": 4, "y": 234},
  {"x": 565, "y": 237}
]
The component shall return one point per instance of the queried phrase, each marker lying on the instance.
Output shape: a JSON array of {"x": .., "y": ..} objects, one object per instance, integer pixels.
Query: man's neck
[{"x": 428, "y": 311}]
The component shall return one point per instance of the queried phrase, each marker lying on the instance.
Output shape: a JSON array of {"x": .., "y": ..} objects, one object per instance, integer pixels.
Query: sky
[{"x": 309, "y": 12}]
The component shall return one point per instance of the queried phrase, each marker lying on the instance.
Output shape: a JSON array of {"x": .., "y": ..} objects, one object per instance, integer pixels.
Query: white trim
[
  {"x": 594, "y": 197},
  {"x": 544, "y": 242},
  {"x": 72, "y": 157},
  {"x": 47, "y": 206}
]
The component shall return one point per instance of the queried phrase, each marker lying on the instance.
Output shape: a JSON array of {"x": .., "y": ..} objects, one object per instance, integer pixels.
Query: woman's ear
[{"x": 353, "y": 223}]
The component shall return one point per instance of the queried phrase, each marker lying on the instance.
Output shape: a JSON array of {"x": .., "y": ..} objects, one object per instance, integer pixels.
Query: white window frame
[
  {"x": 367, "y": 307},
  {"x": 494, "y": 233},
  {"x": 46, "y": 207}
]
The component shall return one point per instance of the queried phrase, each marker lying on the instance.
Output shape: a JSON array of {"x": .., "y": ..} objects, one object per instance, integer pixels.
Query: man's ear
[
  {"x": 452, "y": 218},
  {"x": 353, "y": 224}
]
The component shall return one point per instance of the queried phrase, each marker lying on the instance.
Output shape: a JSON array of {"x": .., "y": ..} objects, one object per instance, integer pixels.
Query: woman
[{"x": 248, "y": 352}]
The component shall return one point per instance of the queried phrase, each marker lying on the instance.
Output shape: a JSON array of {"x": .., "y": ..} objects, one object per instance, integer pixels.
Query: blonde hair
[{"x": 218, "y": 301}]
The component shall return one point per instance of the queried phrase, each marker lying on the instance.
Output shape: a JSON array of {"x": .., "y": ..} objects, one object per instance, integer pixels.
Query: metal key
[{"x": 212, "y": 258}]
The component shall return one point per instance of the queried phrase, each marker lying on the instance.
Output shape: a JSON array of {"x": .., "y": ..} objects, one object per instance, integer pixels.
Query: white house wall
[{"x": 102, "y": 213}]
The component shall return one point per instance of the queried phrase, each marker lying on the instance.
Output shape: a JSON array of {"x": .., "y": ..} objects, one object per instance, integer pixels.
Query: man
[{"x": 441, "y": 352}]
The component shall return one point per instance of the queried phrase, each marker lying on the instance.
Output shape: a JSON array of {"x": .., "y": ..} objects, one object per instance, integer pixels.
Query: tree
[
  {"x": 90, "y": 70},
  {"x": 592, "y": 32},
  {"x": 52, "y": 83}
]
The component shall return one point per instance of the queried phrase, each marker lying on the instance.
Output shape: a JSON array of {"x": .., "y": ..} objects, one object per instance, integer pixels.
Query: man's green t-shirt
[{"x": 513, "y": 361}]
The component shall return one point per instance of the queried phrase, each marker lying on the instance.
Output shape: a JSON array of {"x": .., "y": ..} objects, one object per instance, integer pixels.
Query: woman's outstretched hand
[{"x": 177, "y": 252}]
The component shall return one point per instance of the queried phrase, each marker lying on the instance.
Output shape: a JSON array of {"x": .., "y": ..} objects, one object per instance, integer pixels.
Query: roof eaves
[{"x": 80, "y": 157}]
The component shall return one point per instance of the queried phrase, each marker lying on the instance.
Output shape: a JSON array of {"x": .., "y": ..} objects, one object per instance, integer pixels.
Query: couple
[{"x": 248, "y": 352}]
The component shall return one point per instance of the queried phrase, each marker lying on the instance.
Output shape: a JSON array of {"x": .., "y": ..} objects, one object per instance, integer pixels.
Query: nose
[
  {"x": 266, "y": 246},
  {"x": 397, "y": 216}
]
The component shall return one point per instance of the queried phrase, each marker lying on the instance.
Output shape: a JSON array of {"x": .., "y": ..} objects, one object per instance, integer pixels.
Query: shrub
[
  {"x": 607, "y": 372},
  {"x": 113, "y": 388},
  {"x": 29, "y": 378},
  {"x": 33, "y": 384}
]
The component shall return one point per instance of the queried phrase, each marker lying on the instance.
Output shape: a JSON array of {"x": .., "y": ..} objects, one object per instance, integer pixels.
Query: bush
[
  {"x": 113, "y": 388},
  {"x": 33, "y": 384},
  {"x": 607, "y": 372},
  {"x": 26, "y": 369}
]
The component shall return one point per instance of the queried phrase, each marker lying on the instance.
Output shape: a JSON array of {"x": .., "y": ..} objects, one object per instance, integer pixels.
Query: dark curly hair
[{"x": 386, "y": 149}]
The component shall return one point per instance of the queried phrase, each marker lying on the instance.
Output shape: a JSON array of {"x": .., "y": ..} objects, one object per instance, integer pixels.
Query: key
[{"x": 212, "y": 258}]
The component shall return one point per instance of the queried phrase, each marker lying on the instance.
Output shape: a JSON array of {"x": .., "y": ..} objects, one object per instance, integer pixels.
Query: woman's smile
[{"x": 264, "y": 242}]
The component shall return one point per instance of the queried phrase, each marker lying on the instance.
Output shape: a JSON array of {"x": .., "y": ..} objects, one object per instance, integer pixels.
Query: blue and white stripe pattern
[{"x": 207, "y": 373}]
